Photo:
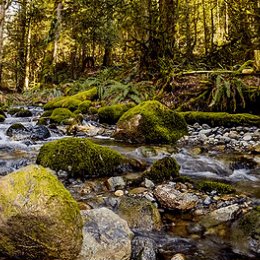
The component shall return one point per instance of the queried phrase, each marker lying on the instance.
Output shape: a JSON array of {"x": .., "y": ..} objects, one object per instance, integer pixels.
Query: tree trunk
[
  {"x": 2, "y": 23},
  {"x": 22, "y": 46}
]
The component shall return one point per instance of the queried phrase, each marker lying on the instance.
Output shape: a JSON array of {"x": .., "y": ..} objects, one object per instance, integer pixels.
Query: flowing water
[{"x": 242, "y": 170}]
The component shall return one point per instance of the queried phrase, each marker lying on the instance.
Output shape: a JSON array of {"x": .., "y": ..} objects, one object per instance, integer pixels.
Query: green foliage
[
  {"x": 231, "y": 94},
  {"x": 221, "y": 118},
  {"x": 221, "y": 188},
  {"x": 163, "y": 170},
  {"x": 119, "y": 92},
  {"x": 80, "y": 158},
  {"x": 2, "y": 118}
]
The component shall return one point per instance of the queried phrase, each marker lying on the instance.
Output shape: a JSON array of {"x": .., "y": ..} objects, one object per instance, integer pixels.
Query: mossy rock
[
  {"x": 93, "y": 110},
  {"x": 84, "y": 106},
  {"x": 71, "y": 102},
  {"x": 221, "y": 119},
  {"x": 39, "y": 219},
  {"x": 111, "y": 114},
  {"x": 90, "y": 94},
  {"x": 150, "y": 122},
  {"x": 245, "y": 234},
  {"x": 23, "y": 113},
  {"x": 62, "y": 116},
  {"x": 162, "y": 170},
  {"x": 80, "y": 158},
  {"x": 140, "y": 214},
  {"x": 221, "y": 188},
  {"x": 12, "y": 111},
  {"x": 16, "y": 128},
  {"x": 2, "y": 118}
]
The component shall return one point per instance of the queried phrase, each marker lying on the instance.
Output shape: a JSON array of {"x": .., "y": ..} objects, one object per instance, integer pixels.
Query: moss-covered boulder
[
  {"x": 219, "y": 187},
  {"x": 80, "y": 158},
  {"x": 150, "y": 122},
  {"x": 84, "y": 106},
  {"x": 245, "y": 234},
  {"x": 140, "y": 214},
  {"x": 62, "y": 116},
  {"x": 39, "y": 219},
  {"x": 71, "y": 102},
  {"x": 23, "y": 113},
  {"x": 163, "y": 170},
  {"x": 221, "y": 119},
  {"x": 111, "y": 114}
]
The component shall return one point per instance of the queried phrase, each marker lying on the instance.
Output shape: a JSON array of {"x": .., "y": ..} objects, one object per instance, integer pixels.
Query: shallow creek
[{"x": 242, "y": 170}]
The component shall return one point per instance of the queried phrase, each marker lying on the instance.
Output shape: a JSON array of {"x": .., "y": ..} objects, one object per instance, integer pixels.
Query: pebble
[
  {"x": 119, "y": 193},
  {"x": 178, "y": 257},
  {"x": 237, "y": 139}
]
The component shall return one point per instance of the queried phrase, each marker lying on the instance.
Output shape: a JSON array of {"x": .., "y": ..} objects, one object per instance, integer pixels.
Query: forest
[
  {"x": 199, "y": 51},
  {"x": 130, "y": 129}
]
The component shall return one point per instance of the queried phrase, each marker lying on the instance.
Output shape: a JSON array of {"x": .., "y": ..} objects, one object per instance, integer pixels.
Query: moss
[
  {"x": 163, "y": 170},
  {"x": 90, "y": 94},
  {"x": 221, "y": 188},
  {"x": 62, "y": 116},
  {"x": 2, "y": 118},
  {"x": 93, "y": 110},
  {"x": 139, "y": 213},
  {"x": 151, "y": 122},
  {"x": 47, "y": 113},
  {"x": 38, "y": 214},
  {"x": 111, "y": 114},
  {"x": 80, "y": 157},
  {"x": 71, "y": 102},
  {"x": 84, "y": 106},
  {"x": 221, "y": 119}
]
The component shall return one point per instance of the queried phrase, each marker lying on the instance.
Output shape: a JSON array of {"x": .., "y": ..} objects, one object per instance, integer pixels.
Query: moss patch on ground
[
  {"x": 111, "y": 114},
  {"x": 221, "y": 119},
  {"x": 80, "y": 158},
  {"x": 219, "y": 187},
  {"x": 150, "y": 122}
]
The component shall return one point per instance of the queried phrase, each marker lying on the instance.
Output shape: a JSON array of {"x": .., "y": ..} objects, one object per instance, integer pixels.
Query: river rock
[
  {"x": 39, "y": 219},
  {"x": 105, "y": 236},
  {"x": 221, "y": 215},
  {"x": 17, "y": 129},
  {"x": 245, "y": 234},
  {"x": 171, "y": 198},
  {"x": 140, "y": 213},
  {"x": 144, "y": 248},
  {"x": 40, "y": 132},
  {"x": 114, "y": 183}
]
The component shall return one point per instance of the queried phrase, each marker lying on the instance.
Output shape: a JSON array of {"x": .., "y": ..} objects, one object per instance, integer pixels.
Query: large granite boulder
[
  {"x": 150, "y": 122},
  {"x": 39, "y": 219}
]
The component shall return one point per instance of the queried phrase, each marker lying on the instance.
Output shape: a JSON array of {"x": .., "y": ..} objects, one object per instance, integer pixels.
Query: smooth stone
[
  {"x": 247, "y": 137},
  {"x": 119, "y": 193}
]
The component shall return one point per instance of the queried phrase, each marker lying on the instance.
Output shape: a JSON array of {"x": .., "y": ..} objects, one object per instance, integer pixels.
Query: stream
[{"x": 239, "y": 169}]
